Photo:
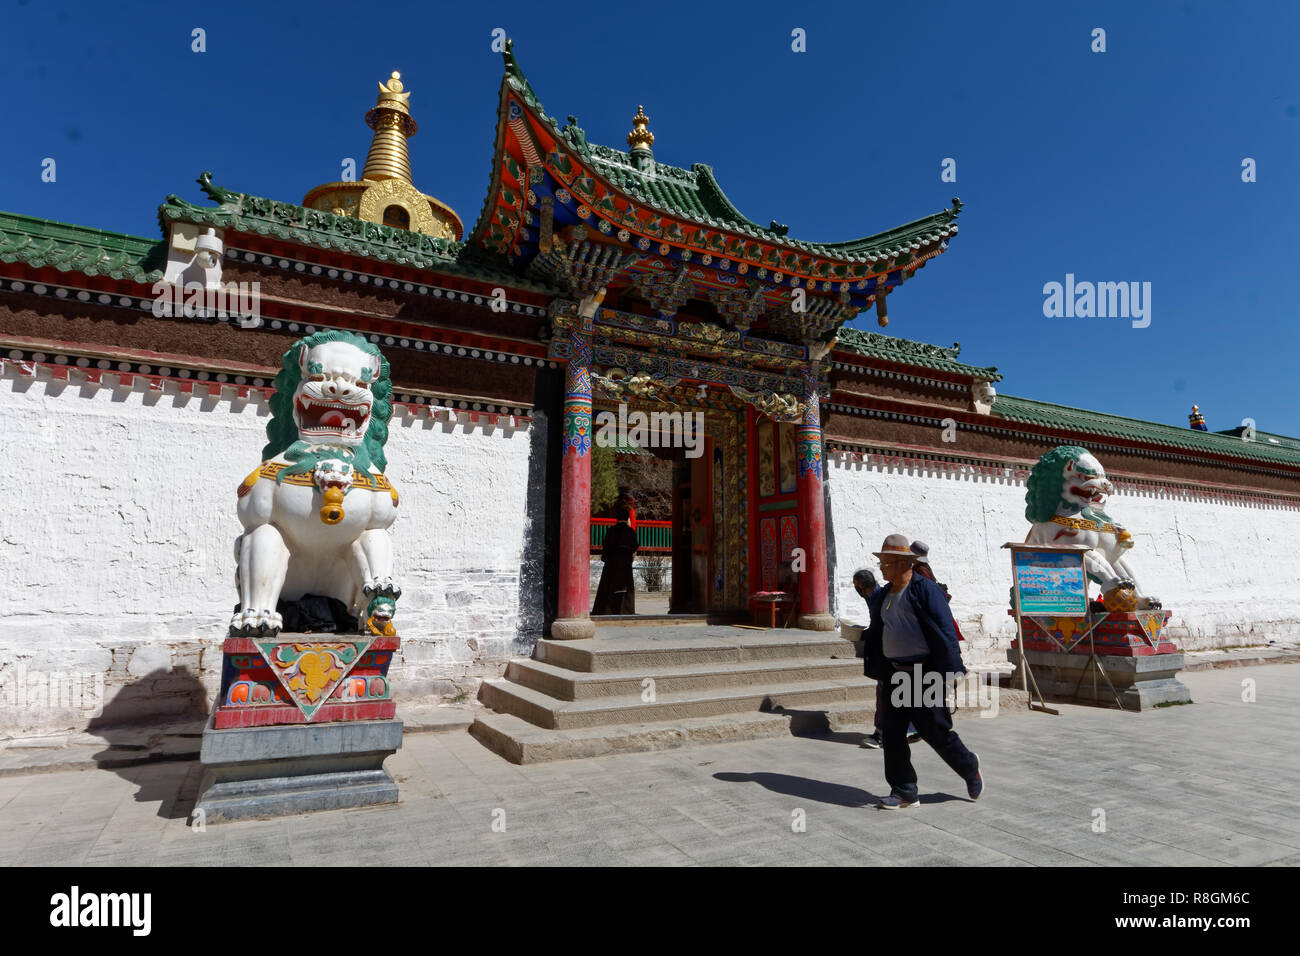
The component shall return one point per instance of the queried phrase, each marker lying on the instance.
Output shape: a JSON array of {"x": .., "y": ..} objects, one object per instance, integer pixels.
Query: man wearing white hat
[{"x": 912, "y": 638}]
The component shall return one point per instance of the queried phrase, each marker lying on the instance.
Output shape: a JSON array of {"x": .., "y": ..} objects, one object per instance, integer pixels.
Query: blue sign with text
[{"x": 1051, "y": 583}]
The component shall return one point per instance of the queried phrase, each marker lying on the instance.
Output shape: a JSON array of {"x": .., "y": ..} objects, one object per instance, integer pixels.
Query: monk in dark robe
[{"x": 617, "y": 591}]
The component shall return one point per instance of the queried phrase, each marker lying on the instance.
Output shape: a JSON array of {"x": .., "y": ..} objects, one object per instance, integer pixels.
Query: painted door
[{"x": 774, "y": 520}]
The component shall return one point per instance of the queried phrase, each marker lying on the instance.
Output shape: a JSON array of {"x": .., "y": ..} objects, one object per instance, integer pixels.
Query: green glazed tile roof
[
  {"x": 694, "y": 195},
  {"x": 323, "y": 230},
  {"x": 1029, "y": 412},
  {"x": 1268, "y": 438},
  {"x": 907, "y": 352},
  {"x": 94, "y": 252}
]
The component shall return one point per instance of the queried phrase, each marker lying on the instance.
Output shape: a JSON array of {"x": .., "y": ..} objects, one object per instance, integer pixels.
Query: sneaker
[
  {"x": 872, "y": 741},
  {"x": 913, "y": 737},
  {"x": 975, "y": 785},
  {"x": 896, "y": 802}
]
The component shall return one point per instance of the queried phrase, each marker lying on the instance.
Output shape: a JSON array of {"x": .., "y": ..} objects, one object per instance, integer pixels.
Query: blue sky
[{"x": 1117, "y": 166}]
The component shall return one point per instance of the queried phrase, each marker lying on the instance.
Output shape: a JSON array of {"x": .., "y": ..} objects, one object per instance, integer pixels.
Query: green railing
[{"x": 650, "y": 535}]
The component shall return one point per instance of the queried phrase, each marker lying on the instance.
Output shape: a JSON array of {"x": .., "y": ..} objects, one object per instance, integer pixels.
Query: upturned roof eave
[
  {"x": 906, "y": 233},
  {"x": 891, "y": 243},
  {"x": 494, "y": 183}
]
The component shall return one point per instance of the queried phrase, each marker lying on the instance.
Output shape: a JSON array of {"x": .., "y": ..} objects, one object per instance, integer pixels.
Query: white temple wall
[
  {"x": 1229, "y": 572},
  {"x": 116, "y": 554},
  {"x": 117, "y": 571}
]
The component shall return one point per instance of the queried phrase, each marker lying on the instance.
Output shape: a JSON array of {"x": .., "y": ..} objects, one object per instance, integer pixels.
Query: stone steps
[
  {"x": 650, "y": 620},
  {"x": 857, "y": 715},
  {"x": 543, "y": 710},
  {"x": 570, "y": 685},
  {"x": 710, "y": 683},
  {"x": 629, "y": 653},
  {"x": 521, "y": 742}
]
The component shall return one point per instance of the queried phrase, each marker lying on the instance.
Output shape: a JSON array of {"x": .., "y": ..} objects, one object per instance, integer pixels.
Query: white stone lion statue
[
  {"x": 316, "y": 512},
  {"x": 1064, "y": 498}
]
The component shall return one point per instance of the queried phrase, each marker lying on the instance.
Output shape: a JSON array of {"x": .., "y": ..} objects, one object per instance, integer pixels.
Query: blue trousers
[
  {"x": 934, "y": 724},
  {"x": 882, "y": 692}
]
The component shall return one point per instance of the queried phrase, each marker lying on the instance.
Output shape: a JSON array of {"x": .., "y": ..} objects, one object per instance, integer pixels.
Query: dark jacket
[{"x": 931, "y": 607}]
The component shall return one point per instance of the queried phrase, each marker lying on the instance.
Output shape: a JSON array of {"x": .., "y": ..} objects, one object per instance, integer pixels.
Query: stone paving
[{"x": 1213, "y": 783}]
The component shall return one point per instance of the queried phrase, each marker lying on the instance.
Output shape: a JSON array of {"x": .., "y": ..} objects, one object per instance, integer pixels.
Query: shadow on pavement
[
  {"x": 833, "y": 793},
  {"x": 819, "y": 790},
  {"x": 173, "y": 786},
  {"x": 154, "y": 728}
]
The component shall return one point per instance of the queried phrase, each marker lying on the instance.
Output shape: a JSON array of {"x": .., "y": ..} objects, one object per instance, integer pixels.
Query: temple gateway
[{"x": 138, "y": 371}]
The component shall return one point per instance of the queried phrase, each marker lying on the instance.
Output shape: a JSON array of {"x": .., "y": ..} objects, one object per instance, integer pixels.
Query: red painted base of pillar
[
  {"x": 575, "y": 536},
  {"x": 814, "y": 594}
]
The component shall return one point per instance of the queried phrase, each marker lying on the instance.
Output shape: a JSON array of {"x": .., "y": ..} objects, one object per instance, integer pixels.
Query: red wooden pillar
[
  {"x": 814, "y": 593},
  {"x": 574, "y": 620}
]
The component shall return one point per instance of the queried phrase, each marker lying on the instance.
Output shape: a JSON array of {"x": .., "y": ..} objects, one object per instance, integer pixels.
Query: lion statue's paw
[
  {"x": 382, "y": 587},
  {"x": 262, "y": 623}
]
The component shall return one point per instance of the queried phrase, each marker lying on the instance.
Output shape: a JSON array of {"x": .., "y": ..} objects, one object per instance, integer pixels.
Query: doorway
[
  {"x": 693, "y": 524},
  {"x": 691, "y": 503}
]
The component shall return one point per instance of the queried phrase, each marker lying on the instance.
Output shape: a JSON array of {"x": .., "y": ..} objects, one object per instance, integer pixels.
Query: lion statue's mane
[
  {"x": 282, "y": 432},
  {"x": 1043, "y": 489}
]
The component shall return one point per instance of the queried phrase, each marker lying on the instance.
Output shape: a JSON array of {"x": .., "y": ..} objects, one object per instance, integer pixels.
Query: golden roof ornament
[
  {"x": 385, "y": 192},
  {"x": 640, "y": 137},
  {"x": 392, "y": 123},
  {"x": 390, "y": 93}
]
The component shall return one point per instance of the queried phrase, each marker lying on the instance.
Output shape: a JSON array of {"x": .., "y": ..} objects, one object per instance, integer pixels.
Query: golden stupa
[{"x": 385, "y": 194}]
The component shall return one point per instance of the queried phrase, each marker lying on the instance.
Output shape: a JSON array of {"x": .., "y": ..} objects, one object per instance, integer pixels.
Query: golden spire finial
[
  {"x": 640, "y": 137},
  {"x": 384, "y": 193},
  {"x": 390, "y": 92},
  {"x": 392, "y": 123}
]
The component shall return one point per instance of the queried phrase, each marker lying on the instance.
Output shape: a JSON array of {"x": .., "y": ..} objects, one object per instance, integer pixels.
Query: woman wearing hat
[{"x": 911, "y": 637}]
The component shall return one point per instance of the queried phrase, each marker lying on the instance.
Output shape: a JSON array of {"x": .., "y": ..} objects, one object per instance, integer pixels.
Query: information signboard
[{"x": 1051, "y": 583}]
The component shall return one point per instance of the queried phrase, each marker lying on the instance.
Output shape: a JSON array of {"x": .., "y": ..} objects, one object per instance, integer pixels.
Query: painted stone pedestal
[
  {"x": 303, "y": 722},
  {"x": 1131, "y": 647},
  {"x": 272, "y": 771}
]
